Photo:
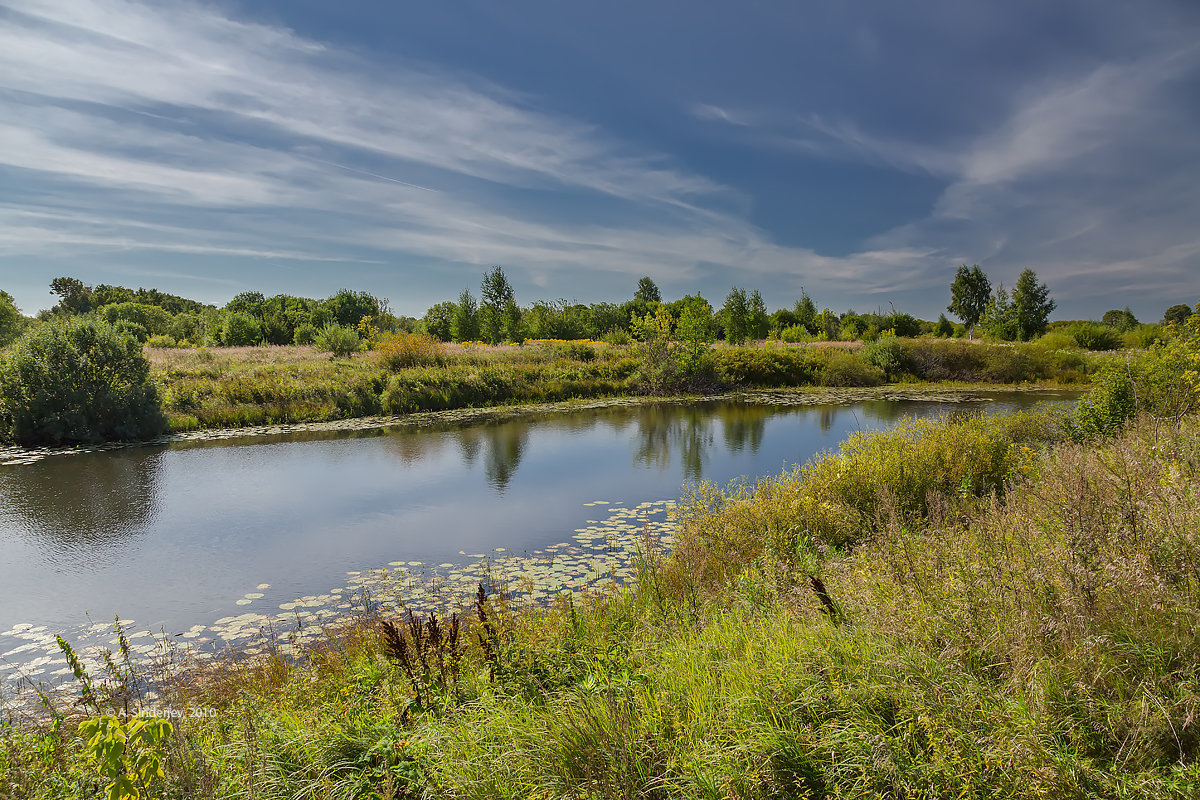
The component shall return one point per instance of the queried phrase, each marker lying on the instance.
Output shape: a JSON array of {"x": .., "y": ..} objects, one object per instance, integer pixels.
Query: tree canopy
[
  {"x": 77, "y": 381},
  {"x": 1032, "y": 304},
  {"x": 969, "y": 294},
  {"x": 647, "y": 291}
]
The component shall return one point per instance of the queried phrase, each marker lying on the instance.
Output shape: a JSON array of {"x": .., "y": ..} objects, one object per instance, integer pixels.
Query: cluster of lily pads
[{"x": 599, "y": 557}]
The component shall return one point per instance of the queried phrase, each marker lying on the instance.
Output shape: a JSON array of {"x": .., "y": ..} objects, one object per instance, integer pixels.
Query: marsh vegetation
[{"x": 976, "y": 607}]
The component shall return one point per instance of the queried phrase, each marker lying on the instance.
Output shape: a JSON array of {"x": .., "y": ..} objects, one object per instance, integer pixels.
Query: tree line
[{"x": 251, "y": 318}]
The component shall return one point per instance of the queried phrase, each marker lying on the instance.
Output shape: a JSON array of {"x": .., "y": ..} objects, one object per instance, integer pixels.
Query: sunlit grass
[{"x": 231, "y": 387}]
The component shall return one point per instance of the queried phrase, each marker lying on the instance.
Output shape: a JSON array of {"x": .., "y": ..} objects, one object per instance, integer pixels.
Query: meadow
[
  {"x": 981, "y": 606},
  {"x": 233, "y": 387}
]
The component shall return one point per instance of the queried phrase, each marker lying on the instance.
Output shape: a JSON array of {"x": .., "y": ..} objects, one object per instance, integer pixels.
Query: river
[{"x": 205, "y": 542}]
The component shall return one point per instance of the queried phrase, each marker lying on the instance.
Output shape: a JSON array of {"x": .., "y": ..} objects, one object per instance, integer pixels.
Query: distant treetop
[
  {"x": 647, "y": 291},
  {"x": 77, "y": 298}
]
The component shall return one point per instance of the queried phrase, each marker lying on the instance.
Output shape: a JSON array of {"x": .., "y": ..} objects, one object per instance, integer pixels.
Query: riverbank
[
  {"x": 949, "y": 392},
  {"x": 955, "y": 608},
  {"x": 247, "y": 387}
]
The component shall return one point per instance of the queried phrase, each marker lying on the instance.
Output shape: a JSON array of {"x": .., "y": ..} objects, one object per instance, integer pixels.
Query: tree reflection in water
[{"x": 81, "y": 503}]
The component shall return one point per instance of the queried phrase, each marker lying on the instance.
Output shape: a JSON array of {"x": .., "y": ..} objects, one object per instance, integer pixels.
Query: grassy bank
[
  {"x": 976, "y": 607},
  {"x": 232, "y": 387}
]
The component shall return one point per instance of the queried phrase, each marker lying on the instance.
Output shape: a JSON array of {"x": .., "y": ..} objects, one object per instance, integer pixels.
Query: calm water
[{"x": 171, "y": 536}]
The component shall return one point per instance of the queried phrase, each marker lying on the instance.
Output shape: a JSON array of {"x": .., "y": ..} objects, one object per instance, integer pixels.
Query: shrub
[
  {"x": 78, "y": 381},
  {"x": 1143, "y": 336},
  {"x": 133, "y": 330},
  {"x": 11, "y": 321},
  {"x": 618, "y": 337},
  {"x": 1095, "y": 336},
  {"x": 397, "y": 351},
  {"x": 239, "y": 329},
  {"x": 885, "y": 353},
  {"x": 305, "y": 333},
  {"x": 338, "y": 340},
  {"x": 1110, "y": 403},
  {"x": 151, "y": 318},
  {"x": 794, "y": 334},
  {"x": 847, "y": 369},
  {"x": 1057, "y": 340},
  {"x": 161, "y": 340},
  {"x": 1161, "y": 383},
  {"x": 766, "y": 366}
]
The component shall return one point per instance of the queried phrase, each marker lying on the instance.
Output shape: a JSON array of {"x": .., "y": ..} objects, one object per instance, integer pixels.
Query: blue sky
[{"x": 859, "y": 150}]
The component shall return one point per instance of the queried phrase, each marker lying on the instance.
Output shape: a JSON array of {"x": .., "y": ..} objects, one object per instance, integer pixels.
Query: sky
[{"x": 859, "y": 151}]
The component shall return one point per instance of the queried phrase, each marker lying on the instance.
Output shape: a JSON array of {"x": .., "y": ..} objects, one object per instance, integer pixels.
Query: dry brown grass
[{"x": 187, "y": 358}]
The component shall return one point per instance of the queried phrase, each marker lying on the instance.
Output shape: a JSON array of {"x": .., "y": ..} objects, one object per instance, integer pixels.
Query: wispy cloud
[
  {"x": 1091, "y": 177},
  {"x": 173, "y": 128},
  {"x": 155, "y": 111}
]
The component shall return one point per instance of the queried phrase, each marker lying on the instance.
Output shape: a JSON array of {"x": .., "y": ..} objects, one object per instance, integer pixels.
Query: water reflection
[
  {"x": 663, "y": 429},
  {"x": 85, "y": 503},
  {"x": 176, "y": 535},
  {"x": 744, "y": 425},
  {"x": 505, "y": 444}
]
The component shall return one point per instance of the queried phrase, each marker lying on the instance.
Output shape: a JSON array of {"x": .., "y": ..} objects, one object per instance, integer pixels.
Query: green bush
[
  {"x": 1095, "y": 336},
  {"x": 133, "y": 330},
  {"x": 847, "y": 369},
  {"x": 339, "y": 340},
  {"x": 794, "y": 334},
  {"x": 767, "y": 366},
  {"x": 152, "y": 318},
  {"x": 239, "y": 329},
  {"x": 11, "y": 321},
  {"x": 77, "y": 381},
  {"x": 1143, "y": 336},
  {"x": 1160, "y": 383},
  {"x": 886, "y": 354},
  {"x": 161, "y": 340},
  {"x": 618, "y": 337},
  {"x": 305, "y": 333},
  {"x": 573, "y": 351}
]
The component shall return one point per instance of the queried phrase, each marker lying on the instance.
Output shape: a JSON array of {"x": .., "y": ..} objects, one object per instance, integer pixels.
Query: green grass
[
  {"x": 1016, "y": 622},
  {"x": 233, "y": 387},
  {"x": 973, "y": 607}
]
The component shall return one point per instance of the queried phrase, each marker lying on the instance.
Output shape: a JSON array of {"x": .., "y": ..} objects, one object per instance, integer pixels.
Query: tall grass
[
  {"x": 229, "y": 387},
  {"x": 968, "y": 607}
]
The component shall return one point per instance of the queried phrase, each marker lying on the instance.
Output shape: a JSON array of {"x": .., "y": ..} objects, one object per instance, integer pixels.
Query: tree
[
  {"x": 647, "y": 291},
  {"x": 607, "y": 317},
  {"x": 757, "y": 322},
  {"x": 347, "y": 308},
  {"x": 829, "y": 325},
  {"x": 999, "y": 319},
  {"x": 74, "y": 297},
  {"x": 944, "y": 327},
  {"x": 436, "y": 322},
  {"x": 77, "y": 381},
  {"x": 1122, "y": 320},
  {"x": 154, "y": 319},
  {"x": 1175, "y": 315},
  {"x": 511, "y": 320},
  {"x": 248, "y": 303},
  {"x": 495, "y": 294},
  {"x": 11, "y": 320},
  {"x": 694, "y": 331},
  {"x": 969, "y": 295},
  {"x": 806, "y": 312},
  {"x": 239, "y": 329},
  {"x": 736, "y": 316},
  {"x": 1032, "y": 305},
  {"x": 463, "y": 325}
]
